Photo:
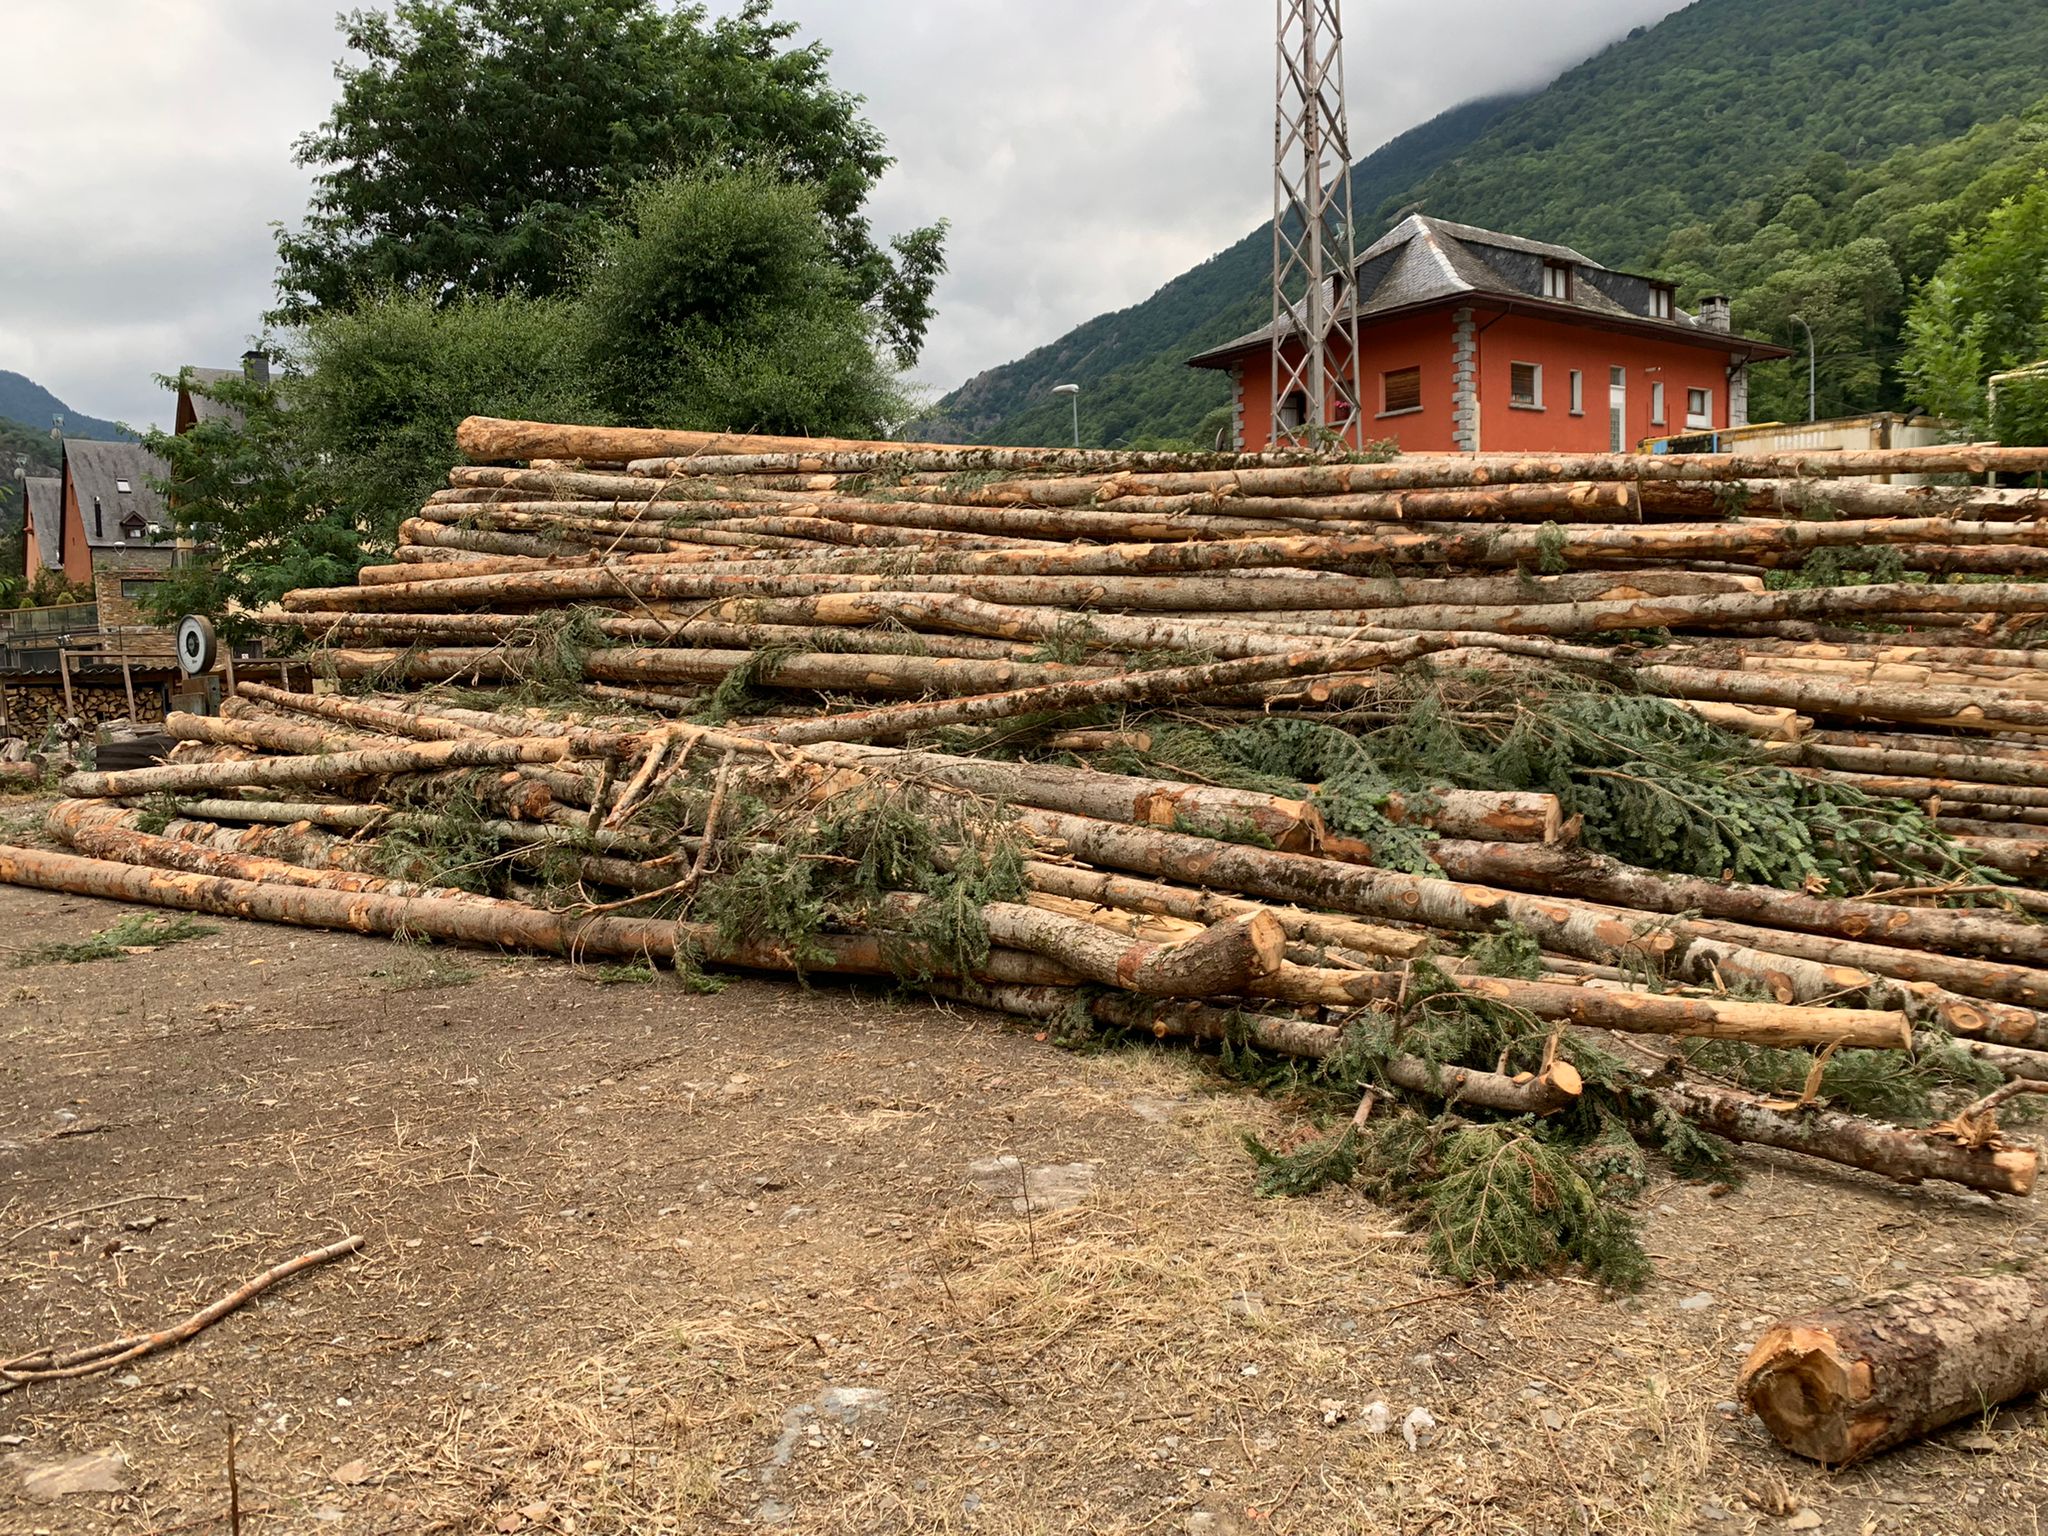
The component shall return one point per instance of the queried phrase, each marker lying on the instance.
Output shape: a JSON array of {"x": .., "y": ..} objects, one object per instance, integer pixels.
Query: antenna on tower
[{"x": 1316, "y": 390}]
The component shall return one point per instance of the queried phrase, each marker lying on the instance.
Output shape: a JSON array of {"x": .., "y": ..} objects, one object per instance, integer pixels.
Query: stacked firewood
[{"x": 1140, "y": 742}]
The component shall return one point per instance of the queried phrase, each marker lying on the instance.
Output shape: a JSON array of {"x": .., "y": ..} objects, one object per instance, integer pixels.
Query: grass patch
[
  {"x": 419, "y": 967},
  {"x": 138, "y": 931}
]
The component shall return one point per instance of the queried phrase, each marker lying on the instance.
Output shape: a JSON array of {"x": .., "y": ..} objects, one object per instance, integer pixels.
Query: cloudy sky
[{"x": 1086, "y": 151}]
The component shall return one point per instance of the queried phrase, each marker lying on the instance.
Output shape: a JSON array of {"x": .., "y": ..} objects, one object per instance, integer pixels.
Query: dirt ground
[{"x": 640, "y": 1260}]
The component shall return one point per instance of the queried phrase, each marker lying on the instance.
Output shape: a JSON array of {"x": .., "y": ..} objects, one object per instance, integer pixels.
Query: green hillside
[
  {"x": 25, "y": 401},
  {"x": 1129, "y": 362},
  {"x": 1688, "y": 145}
]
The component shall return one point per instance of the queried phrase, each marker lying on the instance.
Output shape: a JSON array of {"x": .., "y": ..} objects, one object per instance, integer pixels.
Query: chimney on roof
[
  {"x": 256, "y": 366},
  {"x": 99, "y": 522},
  {"x": 1716, "y": 313}
]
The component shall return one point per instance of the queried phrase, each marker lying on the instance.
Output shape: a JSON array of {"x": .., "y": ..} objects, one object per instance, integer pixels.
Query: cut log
[
  {"x": 1843, "y": 1385},
  {"x": 329, "y": 768},
  {"x": 1910, "y": 1156}
]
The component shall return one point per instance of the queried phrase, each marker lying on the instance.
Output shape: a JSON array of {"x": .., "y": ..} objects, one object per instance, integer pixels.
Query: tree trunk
[
  {"x": 822, "y": 670},
  {"x": 1848, "y": 1383},
  {"x": 1971, "y": 710},
  {"x": 1222, "y": 962},
  {"x": 1907, "y": 1155},
  {"x": 1292, "y": 824},
  {"x": 487, "y": 439},
  {"x": 1179, "y": 683},
  {"x": 1577, "y": 872},
  {"x": 329, "y": 768},
  {"x": 1544, "y": 1095}
]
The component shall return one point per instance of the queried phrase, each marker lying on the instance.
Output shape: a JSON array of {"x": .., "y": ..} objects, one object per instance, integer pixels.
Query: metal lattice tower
[{"x": 1314, "y": 250}]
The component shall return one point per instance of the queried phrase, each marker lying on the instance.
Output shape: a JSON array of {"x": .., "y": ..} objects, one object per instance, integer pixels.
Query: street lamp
[
  {"x": 1073, "y": 393},
  {"x": 1812, "y": 368}
]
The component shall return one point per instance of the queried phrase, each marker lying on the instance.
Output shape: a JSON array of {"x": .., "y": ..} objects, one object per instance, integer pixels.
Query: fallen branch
[{"x": 51, "y": 1365}]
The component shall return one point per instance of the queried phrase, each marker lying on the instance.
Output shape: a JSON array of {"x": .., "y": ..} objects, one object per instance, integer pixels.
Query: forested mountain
[
  {"x": 1776, "y": 149},
  {"x": 25, "y": 401}
]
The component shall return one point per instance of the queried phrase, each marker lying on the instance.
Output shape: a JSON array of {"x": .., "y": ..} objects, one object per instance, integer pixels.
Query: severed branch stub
[{"x": 52, "y": 1364}]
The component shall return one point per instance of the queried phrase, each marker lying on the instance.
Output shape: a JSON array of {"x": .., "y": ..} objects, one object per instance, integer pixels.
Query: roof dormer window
[
  {"x": 1660, "y": 301},
  {"x": 133, "y": 526},
  {"x": 1557, "y": 281}
]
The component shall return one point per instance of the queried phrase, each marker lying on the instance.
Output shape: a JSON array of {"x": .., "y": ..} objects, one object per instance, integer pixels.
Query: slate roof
[
  {"x": 97, "y": 472},
  {"x": 1424, "y": 260},
  {"x": 204, "y": 407},
  {"x": 45, "y": 512}
]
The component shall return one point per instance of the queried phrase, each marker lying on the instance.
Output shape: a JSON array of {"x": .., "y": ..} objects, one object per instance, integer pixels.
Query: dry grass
[{"x": 625, "y": 1240}]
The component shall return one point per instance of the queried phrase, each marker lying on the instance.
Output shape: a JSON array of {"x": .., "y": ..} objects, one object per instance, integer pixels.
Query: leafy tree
[
  {"x": 717, "y": 302},
  {"x": 382, "y": 388},
  {"x": 1984, "y": 312},
  {"x": 241, "y": 488},
  {"x": 479, "y": 146}
]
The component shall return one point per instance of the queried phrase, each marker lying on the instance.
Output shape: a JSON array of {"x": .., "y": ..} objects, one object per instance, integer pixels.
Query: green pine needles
[{"x": 1656, "y": 786}]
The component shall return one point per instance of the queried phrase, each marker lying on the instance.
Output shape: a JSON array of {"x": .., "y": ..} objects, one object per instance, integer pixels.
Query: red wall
[
  {"x": 1425, "y": 341},
  {"x": 1512, "y": 339},
  {"x": 77, "y": 553}
]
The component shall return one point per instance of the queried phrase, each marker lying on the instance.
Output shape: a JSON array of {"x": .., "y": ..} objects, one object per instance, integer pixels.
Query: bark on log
[
  {"x": 1291, "y": 824},
  {"x": 898, "y": 721},
  {"x": 330, "y": 768},
  {"x": 1971, "y": 710},
  {"x": 1595, "y": 877},
  {"x": 820, "y": 670},
  {"x": 1223, "y": 962},
  {"x": 1846, "y": 1384},
  {"x": 489, "y": 924},
  {"x": 1911, "y": 1156},
  {"x": 1289, "y": 1037}
]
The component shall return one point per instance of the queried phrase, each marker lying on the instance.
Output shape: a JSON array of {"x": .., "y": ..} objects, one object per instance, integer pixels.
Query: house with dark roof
[
  {"x": 109, "y": 513},
  {"x": 1473, "y": 341},
  {"x": 43, "y": 514},
  {"x": 194, "y": 407}
]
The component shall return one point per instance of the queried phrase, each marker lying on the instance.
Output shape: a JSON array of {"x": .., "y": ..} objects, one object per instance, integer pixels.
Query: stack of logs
[{"x": 904, "y": 617}]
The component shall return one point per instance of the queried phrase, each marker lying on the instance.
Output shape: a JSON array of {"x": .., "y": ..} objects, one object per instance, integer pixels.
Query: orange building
[{"x": 1472, "y": 341}]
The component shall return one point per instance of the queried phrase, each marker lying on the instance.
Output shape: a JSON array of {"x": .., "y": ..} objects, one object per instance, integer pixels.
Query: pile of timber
[{"x": 697, "y": 651}]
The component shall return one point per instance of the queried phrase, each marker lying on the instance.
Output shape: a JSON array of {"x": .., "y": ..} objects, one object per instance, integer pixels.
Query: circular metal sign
[{"x": 198, "y": 646}]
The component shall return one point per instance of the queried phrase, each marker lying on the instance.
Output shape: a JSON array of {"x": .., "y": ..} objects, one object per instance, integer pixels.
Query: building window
[
  {"x": 1578, "y": 393},
  {"x": 1400, "y": 390},
  {"x": 1699, "y": 408},
  {"x": 1557, "y": 280},
  {"x": 124, "y": 487},
  {"x": 135, "y": 588},
  {"x": 1293, "y": 412},
  {"x": 1660, "y": 302},
  {"x": 1525, "y": 386},
  {"x": 1657, "y": 404}
]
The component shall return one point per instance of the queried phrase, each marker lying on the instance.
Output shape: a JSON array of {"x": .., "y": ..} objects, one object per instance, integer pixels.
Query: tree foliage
[
  {"x": 480, "y": 145},
  {"x": 1986, "y": 311},
  {"x": 714, "y": 301},
  {"x": 239, "y": 486},
  {"x": 718, "y": 301}
]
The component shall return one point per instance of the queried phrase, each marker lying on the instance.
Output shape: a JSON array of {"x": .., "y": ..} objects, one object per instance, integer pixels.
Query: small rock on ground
[
  {"x": 103, "y": 1471},
  {"x": 1056, "y": 1187}
]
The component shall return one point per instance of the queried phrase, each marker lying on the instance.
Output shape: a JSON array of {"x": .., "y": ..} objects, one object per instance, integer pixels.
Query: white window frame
[
  {"x": 1699, "y": 421},
  {"x": 1657, "y": 403},
  {"x": 1578, "y": 387},
  {"x": 1557, "y": 281},
  {"x": 1660, "y": 302},
  {"x": 1535, "y": 403}
]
